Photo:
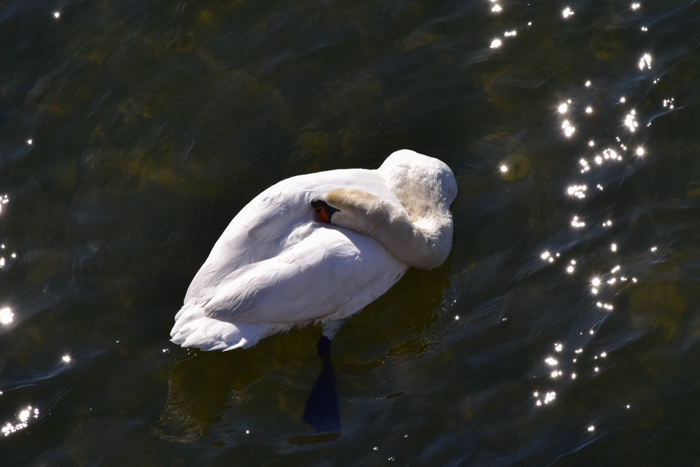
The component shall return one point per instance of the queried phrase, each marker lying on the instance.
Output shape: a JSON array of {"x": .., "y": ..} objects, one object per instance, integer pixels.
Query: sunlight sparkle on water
[
  {"x": 66, "y": 358},
  {"x": 568, "y": 128},
  {"x": 591, "y": 143},
  {"x": 563, "y": 108},
  {"x": 577, "y": 191},
  {"x": 591, "y": 428},
  {"x": 504, "y": 168},
  {"x": 613, "y": 247},
  {"x": 24, "y": 417},
  {"x": 610, "y": 154},
  {"x": 551, "y": 362},
  {"x": 496, "y": 43},
  {"x": 6, "y": 316},
  {"x": 549, "y": 397},
  {"x": 645, "y": 61},
  {"x": 635, "y": 6},
  {"x": 510, "y": 33},
  {"x": 567, "y": 12},
  {"x": 589, "y": 110},
  {"x": 622, "y": 99},
  {"x": 56, "y": 14},
  {"x": 558, "y": 347},
  {"x": 577, "y": 223},
  {"x": 496, "y": 8}
]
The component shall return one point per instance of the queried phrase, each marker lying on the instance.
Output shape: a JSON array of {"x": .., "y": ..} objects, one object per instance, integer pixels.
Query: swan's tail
[{"x": 193, "y": 329}]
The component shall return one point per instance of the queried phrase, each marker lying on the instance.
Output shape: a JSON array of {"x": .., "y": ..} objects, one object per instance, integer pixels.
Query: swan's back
[{"x": 265, "y": 226}]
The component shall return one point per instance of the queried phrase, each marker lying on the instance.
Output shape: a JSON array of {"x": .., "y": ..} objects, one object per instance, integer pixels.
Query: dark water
[{"x": 153, "y": 122}]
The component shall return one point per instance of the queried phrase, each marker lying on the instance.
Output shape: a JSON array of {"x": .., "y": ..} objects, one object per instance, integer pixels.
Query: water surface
[{"x": 563, "y": 330}]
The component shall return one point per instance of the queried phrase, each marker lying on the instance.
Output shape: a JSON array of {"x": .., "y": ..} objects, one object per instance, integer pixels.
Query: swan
[{"x": 317, "y": 248}]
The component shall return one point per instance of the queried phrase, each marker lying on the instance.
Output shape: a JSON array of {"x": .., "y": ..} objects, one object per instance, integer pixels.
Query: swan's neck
[{"x": 424, "y": 244}]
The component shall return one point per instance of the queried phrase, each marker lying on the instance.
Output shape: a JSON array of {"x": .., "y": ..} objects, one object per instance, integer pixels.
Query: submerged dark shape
[{"x": 321, "y": 410}]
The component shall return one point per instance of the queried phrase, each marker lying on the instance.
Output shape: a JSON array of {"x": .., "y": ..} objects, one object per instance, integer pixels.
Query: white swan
[{"x": 279, "y": 264}]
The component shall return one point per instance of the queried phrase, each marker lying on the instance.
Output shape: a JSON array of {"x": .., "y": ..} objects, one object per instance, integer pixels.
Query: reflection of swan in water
[
  {"x": 321, "y": 409},
  {"x": 279, "y": 264}
]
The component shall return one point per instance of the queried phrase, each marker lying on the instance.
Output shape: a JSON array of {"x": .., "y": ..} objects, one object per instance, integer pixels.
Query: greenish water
[{"x": 153, "y": 122}]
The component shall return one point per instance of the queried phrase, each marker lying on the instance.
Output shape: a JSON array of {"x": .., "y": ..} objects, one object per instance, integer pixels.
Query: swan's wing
[
  {"x": 329, "y": 274},
  {"x": 252, "y": 235},
  {"x": 261, "y": 229}
]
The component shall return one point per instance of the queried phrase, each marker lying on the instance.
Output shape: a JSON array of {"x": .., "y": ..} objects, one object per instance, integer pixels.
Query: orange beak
[{"x": 322, "y": 216}]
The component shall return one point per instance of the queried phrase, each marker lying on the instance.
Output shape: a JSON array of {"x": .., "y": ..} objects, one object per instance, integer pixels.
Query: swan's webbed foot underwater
[{"x": 321, "y": 410}]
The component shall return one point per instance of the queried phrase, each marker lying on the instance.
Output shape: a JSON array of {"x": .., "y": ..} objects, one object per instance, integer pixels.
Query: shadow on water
[{"x": 198, "y": 392}]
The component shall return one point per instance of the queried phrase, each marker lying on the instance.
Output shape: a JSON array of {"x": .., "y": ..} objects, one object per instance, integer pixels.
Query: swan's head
[
  {"x": 423, "y": 246},
  {"x": 419, "y": 230},
  {"x": 324, "y": 211}
]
